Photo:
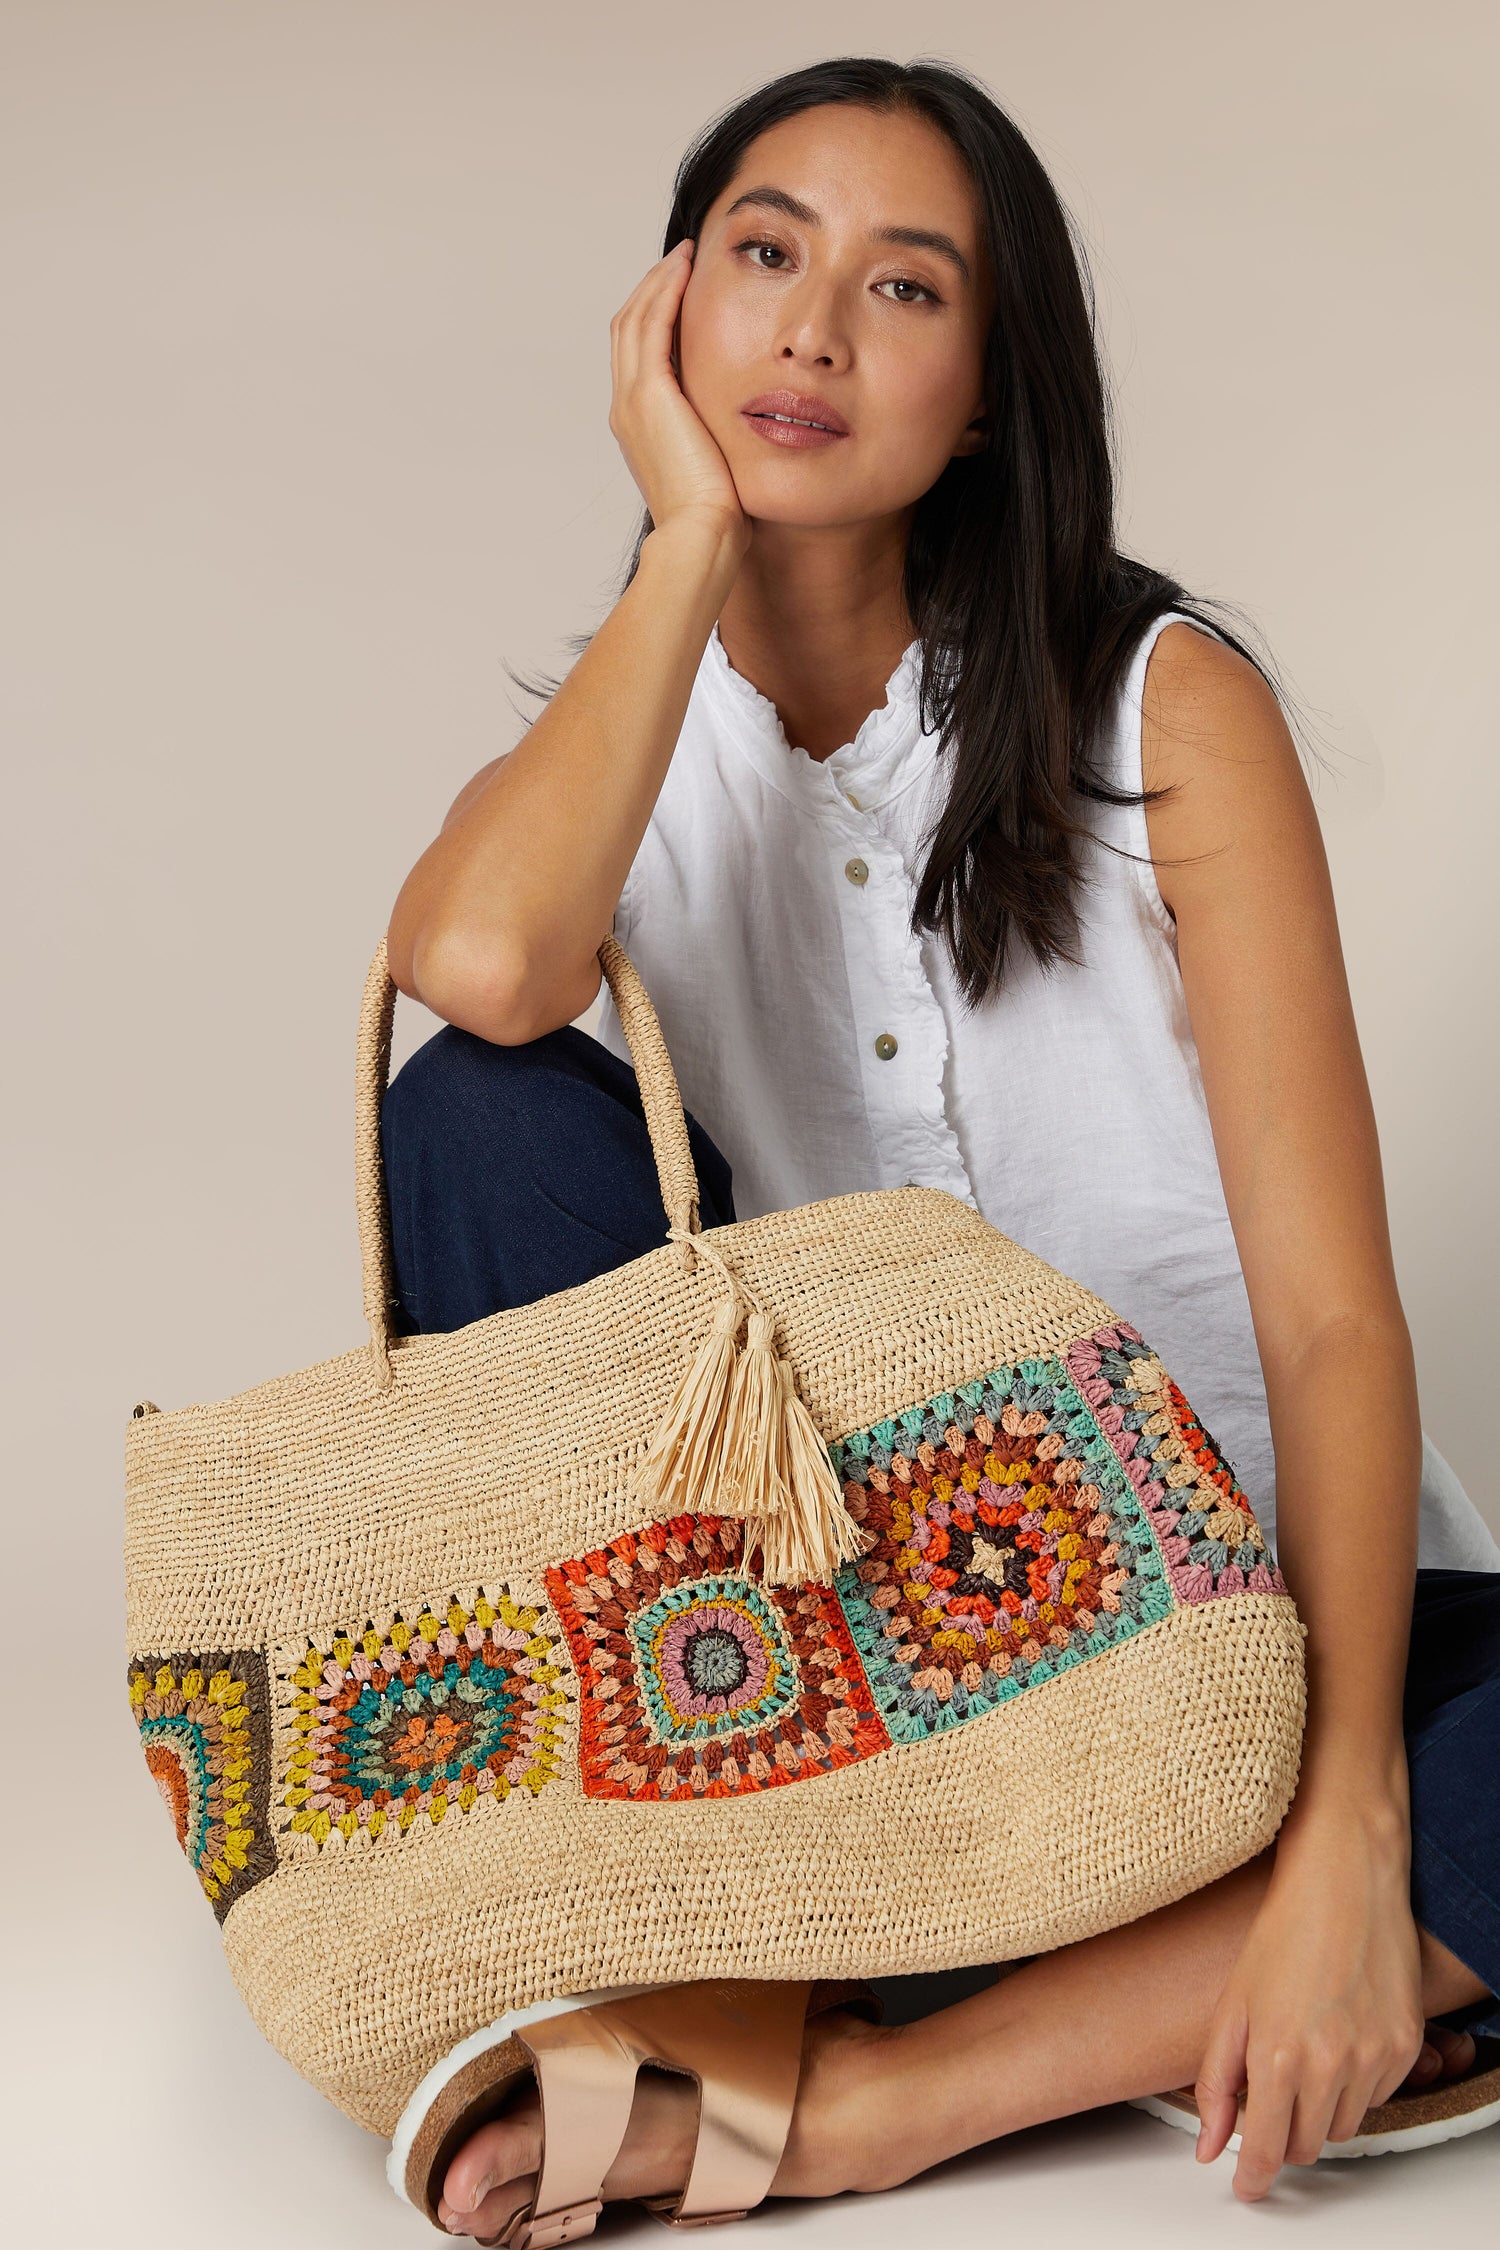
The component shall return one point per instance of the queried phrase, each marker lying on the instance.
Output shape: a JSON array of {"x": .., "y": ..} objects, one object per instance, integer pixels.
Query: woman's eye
[
  {"x": 919, "y": 289},
  {"x": 774, "y": 247}
]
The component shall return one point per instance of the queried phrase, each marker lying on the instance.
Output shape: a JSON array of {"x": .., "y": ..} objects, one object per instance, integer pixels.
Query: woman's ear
[{"x": 975, "y": 438}]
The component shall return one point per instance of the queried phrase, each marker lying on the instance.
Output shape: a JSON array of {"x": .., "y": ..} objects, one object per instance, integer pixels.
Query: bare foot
[{"x": 835, "y": 2142}]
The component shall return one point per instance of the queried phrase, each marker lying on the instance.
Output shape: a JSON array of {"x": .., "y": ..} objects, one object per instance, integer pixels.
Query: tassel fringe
[
  {"x": 680, "y": 1473},
  {"x": 737, "y": 1440},
  {"x": 751, "y": 1477}
]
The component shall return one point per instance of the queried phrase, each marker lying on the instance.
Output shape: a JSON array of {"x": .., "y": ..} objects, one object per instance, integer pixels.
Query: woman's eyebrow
[
  {"x": 922, "y": 238},
  {"x": 913, "y": 238}
]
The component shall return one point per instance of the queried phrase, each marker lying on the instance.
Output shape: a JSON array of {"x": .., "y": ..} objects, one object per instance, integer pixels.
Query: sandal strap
[
  {"x": 586, "y": 2083},
  {"x": 742, "y": 2041}
]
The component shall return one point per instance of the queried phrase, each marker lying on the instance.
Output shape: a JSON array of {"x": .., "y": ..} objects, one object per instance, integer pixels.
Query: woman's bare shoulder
[
  {"x": 1215, "y": 738},
  {"x": 1201, "y": 696}
]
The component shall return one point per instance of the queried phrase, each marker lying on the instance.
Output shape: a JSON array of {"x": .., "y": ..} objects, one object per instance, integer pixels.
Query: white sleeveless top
[{"x": 826, "y": 1048}]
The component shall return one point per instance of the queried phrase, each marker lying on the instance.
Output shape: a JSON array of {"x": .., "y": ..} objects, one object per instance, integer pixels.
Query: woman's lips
[{"x": 789, "y": 418}]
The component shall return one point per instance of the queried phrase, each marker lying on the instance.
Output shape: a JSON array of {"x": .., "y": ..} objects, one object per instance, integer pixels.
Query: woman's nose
[{"x": 815, "y": 328}]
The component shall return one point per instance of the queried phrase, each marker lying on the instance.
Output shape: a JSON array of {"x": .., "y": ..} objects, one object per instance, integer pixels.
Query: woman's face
[{"x": 798, "y": 288}]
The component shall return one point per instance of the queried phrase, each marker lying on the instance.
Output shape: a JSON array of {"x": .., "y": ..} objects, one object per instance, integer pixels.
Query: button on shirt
[
  {"x": 768, "y": 912},
  {"x": 827, "y": 1048}
]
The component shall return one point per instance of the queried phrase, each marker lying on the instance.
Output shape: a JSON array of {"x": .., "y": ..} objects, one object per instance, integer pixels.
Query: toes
[
  {"x": 500, "y": 2204},
  {"x": 1454, "y": 2049},
  {"x": 507, "y": 2149},
  {"x": 1445, "y": 2054}
]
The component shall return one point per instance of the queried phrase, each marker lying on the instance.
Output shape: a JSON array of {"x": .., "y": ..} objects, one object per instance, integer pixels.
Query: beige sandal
[
  {"x": 741, "y": 2041},
  {"x": 1445, "y": 2111}
]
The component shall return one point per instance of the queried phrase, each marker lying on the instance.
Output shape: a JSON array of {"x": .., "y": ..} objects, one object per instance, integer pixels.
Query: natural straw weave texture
[{"x": 446, "y": 1727}]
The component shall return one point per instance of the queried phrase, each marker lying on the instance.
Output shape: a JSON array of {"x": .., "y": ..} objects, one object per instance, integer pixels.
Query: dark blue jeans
[{"x": 518, "y": 1171}]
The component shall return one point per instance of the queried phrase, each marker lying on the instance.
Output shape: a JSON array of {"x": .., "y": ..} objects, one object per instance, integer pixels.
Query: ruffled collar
[{"x": 887, "y": 755}]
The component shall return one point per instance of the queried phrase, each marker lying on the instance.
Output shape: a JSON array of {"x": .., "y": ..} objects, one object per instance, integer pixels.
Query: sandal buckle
[
  {"x": 551, "y": 2229},
  {"x": 663, "y": 2207}
]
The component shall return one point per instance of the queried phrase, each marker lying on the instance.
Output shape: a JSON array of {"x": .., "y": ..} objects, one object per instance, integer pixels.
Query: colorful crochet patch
[
  {"x": 1009, "y": 1546},
  {"x": 204, "y": 1723},
  {"x": 696, "y": 1681},
  {"x": 426, "y": 1716},
  {"x": 1208, "y": 1533}
]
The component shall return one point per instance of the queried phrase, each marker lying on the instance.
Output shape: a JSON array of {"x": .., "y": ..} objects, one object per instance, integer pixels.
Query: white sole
[
  {"x": 409, "y": 2123},
  {"x": 1363, "y": 2144}
]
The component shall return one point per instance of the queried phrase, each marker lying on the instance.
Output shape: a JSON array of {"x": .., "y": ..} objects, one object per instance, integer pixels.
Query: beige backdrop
[{"x": 303, "y": 400}]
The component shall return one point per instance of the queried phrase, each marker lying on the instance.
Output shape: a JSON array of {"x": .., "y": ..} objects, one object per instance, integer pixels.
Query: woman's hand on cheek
[
  {"x": 668, "y": 449},
  {"x": 1322, "y": 2014}
]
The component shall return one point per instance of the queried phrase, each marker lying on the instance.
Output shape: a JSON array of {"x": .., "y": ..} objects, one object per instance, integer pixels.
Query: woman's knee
[
  {"x": 460, "y": 1092},
  {"x": 513, "y": 1172},
  {"x": 477, "y": 1135}
]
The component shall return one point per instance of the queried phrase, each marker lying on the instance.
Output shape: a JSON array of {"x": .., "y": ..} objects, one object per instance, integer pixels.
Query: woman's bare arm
[
  {"x": 1323, "y": 2015},
  {"x": 498, "y": 925}
]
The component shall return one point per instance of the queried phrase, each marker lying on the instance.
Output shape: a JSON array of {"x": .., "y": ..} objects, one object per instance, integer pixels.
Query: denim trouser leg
[
  {"x": 518, "y": 1171},
  {"x": 1453, "y": 1755}
]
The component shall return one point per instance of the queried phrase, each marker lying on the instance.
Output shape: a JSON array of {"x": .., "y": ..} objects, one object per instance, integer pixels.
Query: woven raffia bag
[{"x": 597, "y": 1644}]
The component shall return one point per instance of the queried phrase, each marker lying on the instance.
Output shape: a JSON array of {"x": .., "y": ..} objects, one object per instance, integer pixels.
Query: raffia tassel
[
  {"x": 777, "y": 1473},
  {"x": 813, "y": 1485},
  {"x": 680, "y": 1472},
  {"x": 750, "y": 1472}
]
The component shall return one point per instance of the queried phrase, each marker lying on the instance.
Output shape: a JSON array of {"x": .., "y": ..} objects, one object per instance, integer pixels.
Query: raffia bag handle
[
  {"x": 734, "y": 1433},
  {"x": 660, "y": 1098}
]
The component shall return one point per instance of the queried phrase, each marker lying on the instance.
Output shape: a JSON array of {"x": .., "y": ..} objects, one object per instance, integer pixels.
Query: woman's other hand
[
  {"x": 1321, "y": 2017},
  {"x": 667, "y": 447}
]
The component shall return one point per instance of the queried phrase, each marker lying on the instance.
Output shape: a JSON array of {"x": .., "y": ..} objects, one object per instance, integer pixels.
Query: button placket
[
  {"x": 900, "y": 1032},
  {"x": 876, "y": 980}
]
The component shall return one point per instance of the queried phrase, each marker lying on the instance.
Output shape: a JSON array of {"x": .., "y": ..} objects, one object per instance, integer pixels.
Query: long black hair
[{"x": 1027, "y": 611}]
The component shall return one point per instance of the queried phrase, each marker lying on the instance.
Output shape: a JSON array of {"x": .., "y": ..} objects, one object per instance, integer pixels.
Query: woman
[{"x": 952, "y": 849}]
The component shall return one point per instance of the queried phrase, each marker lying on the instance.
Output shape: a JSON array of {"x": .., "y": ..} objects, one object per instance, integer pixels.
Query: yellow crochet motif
[
  {"x": 428, "y": 1716},
  {"x": 196, "y": 1736}
]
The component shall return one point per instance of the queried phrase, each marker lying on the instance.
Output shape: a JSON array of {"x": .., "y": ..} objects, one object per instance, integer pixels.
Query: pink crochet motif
[{"x": 1203, "y": 1522}]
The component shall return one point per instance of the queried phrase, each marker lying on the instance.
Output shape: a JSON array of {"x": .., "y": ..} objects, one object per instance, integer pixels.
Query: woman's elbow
[{"x": 487, "y": 984}]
